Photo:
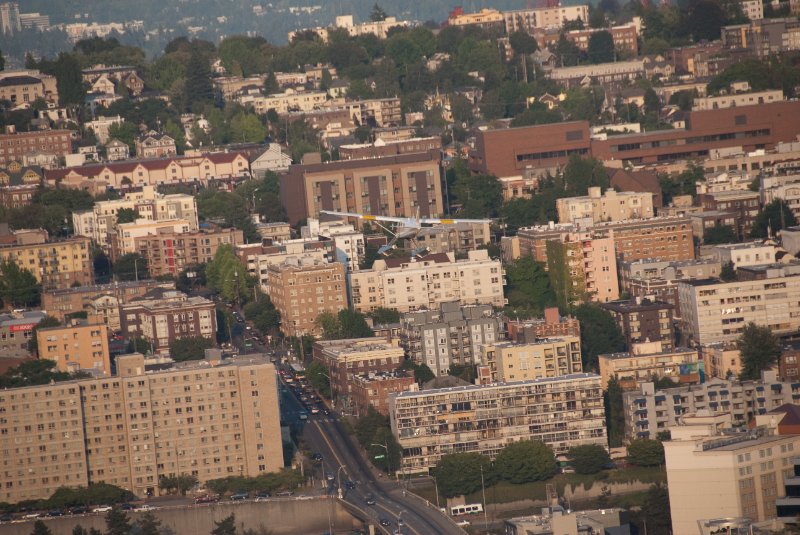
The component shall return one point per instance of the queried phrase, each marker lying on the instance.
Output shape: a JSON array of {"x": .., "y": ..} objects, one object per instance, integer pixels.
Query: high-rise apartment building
[
  {"x": 9, "y": 18},
  {"x": 55, "y": 264},
  {"x": 562, "y": 412},
  {"x": 78, "y": 345},
  {"x": 408, "y": 284},
  {"x": 549, "y": 357},
  {"x": 169, "y": 252},
  {"x": 130, "y": 429},
  {"x": 303, "y": 288},
  {"x": 582, "y": 268},
  {"x": 646, "y": 360},
  {"x": 450, "y": 334}
]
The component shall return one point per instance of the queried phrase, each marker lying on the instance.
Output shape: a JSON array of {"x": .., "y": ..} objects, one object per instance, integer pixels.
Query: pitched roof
[
  {"x": 19, "y": 80},
  {"x": 791, "y": 414},
  {"x": 130, "y": 165}
]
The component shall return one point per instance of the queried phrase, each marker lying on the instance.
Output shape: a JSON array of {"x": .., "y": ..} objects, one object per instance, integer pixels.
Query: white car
[
  {"x": 102, "y": 509},
  {"x": 145, "y": 507},
  {"x": 31, "y": 516}
]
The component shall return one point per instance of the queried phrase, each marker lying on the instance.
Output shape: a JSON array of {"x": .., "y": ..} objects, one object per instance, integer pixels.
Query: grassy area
[{"x": 504, "y": 492}]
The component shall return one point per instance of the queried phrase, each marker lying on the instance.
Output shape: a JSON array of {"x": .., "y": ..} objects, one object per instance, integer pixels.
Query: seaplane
[{"x": 403, "y": 228}]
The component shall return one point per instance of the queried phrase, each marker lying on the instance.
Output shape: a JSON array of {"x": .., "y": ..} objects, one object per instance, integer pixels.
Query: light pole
[
  {"x": 339, "y": 480},
  {"x": 436, "y": 486},
  {"x": 388, "y": 459},
  {"x": 485, "y": 514}
]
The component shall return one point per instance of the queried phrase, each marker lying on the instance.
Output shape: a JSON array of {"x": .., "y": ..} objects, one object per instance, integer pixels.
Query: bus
[
  {"x": 468, "y": 509},
  {"x": 299, "y": 371}
]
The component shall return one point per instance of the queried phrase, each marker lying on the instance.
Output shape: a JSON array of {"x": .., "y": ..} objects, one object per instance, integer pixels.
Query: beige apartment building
[
  {"x": 55, "y": 264},
  {"x": 130, "y": 429},
  {"x": 562, "y": 412},
  {"x": 610, "y": 206},
  {"x": 526, "y": 20},
  {"x": 258, "y": 257},
  {"x": 303, "y": 288},
  {"x": 548, "y": 357},
  {"x": 124, "y": 240},
  {"x": 411, "y": 284},
  {"x": 169, "y": 252},
  {"x": 100, "y": 223},
  {"x": 649, "y": 359},
  {"x": 79, "y": 345},
  {"x": 737, "y": 99},
  {"x": 582, "y": 268},
  {"x": 721, "y": 359},
  {"x": 717, "y": 473},
  {"x": 283, "y": 103},
  {"x": 715, "y": 311}
]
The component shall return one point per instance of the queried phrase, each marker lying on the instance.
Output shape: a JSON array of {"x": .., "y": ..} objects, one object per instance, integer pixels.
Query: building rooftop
[
  {"x": 22, "y": 318},
  {"x": 474, "y": 388},
  {"x": 663, "y": 353},
  {"x": 634, "y": 306}
]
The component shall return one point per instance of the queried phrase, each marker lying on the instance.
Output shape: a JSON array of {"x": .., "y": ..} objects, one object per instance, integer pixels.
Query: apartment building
[
  {"x": 648, "y": 269},
  {"x": 718, "y": 181},
  {"x": 288, "y": 101},
  {"x": 408, "y": 284},
  {"x": 99, "y": 301},
  {"x": 373, "y": 390},
  {"x": 721, "y": 359},
  {"x": 647, "y": 360},
  {"x": 169, "y": 252},
  {"x": 548, "y": 357},
  {"x": 123, "y": 175},
  {"x": 258, "y": 257},
  {"x": 16, "y": 329},
  {"x": 642, "y": 320},
  {"x": 78, "y": 345},
  {"x": 26, "y": 86},
  {"x": 163, "y": 316},
  {"x": 582, "y": 267},
  {"x": 562, "y": 412},
  {"x": 747, "y": 254},
  {"x": 401, "y": 186},
  {"x": 609, "y": 206},
  {"x": 649, "y": 411},
  {"x": 716, "y": 311},
  {"x": 377, "y": 28},
  {"x": 124, "y": 240},
  {"x": 458, "y": 238},
  {"x": 212, "y": 422},
  {"x": 302, "y": 288},
  {"x": 625, "y": 37},
  {"x": 737, "y": 99},
  {"x": 15, "y": 145},
  {"x": 55, "y": 264},
  {"x": 450, "y": 334},
  {"x": 553, "y": 324},
  {"x": 718, "y": 473},
  {"x": 745, "y": 206},
  {"x": 660, "y": 238},
  {"x": 486, "y": 18},
  {"x": 226, "y": 88},
  {"x": 100, "y": 222},
  {"x": 512, "y": 151},
  {"x": 381, "y": 148},
  {"x": 347, "y": 359},
  {"x": 101, "y": 125},
  {"x": 527, "y": 20}
]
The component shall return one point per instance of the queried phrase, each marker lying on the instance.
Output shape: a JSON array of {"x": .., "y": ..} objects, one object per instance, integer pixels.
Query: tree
[
  {"x": 567, "y": 52},
  {"x": 32, "y": 373},
  {"x": 773, "y": 217},
  {"x": 247, "y": 128},
  {"x": 684, "y": 183},
  {"x": 759, "y": 350},
  {"x": 615, "y": 412},
  {"x": 384, "y": 316},
  {"x": 600, "y": 334},
  {"x": 377, "y": 14},
  {"x": 345, "y": 324},
  {"x": 117, "y": 523},
  {"x": 189, "y": 348},
  {"x": 148, "y": 524},
  {"x": 131, "y": 266},
  {"x": 727, "y": 273},
  {"x": 137, "y": 344},
  {"x": 126, "y": 215},
  {"x": 263, "y": 314},
  {"x": 601, "y": 47},
  {"x": 460, "y": 473},
  {"x": 228, "y": 276},
  {"x": 582, "y": 173},
  {"x": 657, "y": 511},
  {"x": 652, "y": 104},
  {"x": 525, "y": 461},
  {"x": 646, "y": 452},
  {"x": 523, "y": 45},
  {"x": 40, "y": 528},
  {"x": 124, "y": 132},
  {"x": 588, "y": 459},
  {"x": 18, "y": 286},
  {"x": 528, "y": 287},
  {"x": 422, "y": 373},
  {"x": 226, "y": 526},
  {"x": 703, "y": 20},
  {"x": 719, "y": 234},
  {"x": 199, "y": 91},
  {"x": 182, "y": 483},
  {"x": 318, "y": 377},
  {"x": 2, "y": 62}
]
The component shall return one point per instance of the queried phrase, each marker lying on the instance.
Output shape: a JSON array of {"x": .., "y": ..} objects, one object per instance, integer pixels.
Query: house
[
  {"x": 338, "y": 88},
  {"x": 117, "y": 150},
  {"x": 104, "y": 86},
  {"x": 550, "y": 101},
  {"x": 642, "y": 181},
  {"x": 133, "y": 84},
  {"x": 155, "y": 145},
  {"x": 272, "y": 159},
  {"x": 633, "y": 95}
]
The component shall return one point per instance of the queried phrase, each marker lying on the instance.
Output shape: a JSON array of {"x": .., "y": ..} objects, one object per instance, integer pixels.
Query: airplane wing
[
  {"x": 366, "y": 217},
  {"x": 435, "y": 221}
]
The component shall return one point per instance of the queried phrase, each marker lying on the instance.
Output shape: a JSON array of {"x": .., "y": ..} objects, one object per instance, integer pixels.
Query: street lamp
[
  {"x": 485, "y": 513},
  {"x": 436, "y": 486},
  {"x": 388, "y": 459},
  {"x": 339, "y": 479}
]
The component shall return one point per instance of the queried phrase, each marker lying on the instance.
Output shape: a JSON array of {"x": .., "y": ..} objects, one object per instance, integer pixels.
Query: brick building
[
  {"x": 553, "y": 324},
  {"x": 374, "y": 390},
  {"x": 14, "y": 145},
  {"x": 643, "y": 320}
]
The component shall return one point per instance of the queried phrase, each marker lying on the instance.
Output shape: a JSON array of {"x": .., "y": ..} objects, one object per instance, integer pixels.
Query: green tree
[
  {"x": 684, "y": 183},
  {"x": 615, "y": 412},
  {"x": 646, "y": 452},
  {"x": 117, "y": 523},
  {"x": 480, "y": 196},
  {"x": 377, "y": 14},
  {"x": 523, "y": 45},
  {"x": 600, "y": 334},
  {"x": 31, "y": 373},
  {"x": 588, "y": 459},
  {"x": 384, "y": 316},
  {"x": 759, "y": 350},
  {"x": 226, "y": 526},
  {"x": 567, "y": 53},
  {"x": 131, "y": 266},
  {"x": 199, "y": 91},
  {"x": 189, "y": 348},
  {"x": 318, "y": 377},
  {"x": 137, "y": 344},
  {"x": 657, "y": 511},
  {"x": 18, "y": 286},
  {"x": 652, "y": 104},
  {"x": 342, "y": 325},
  {"x": 601, "y": 47},
  {"x": 148, "y": 524},
  {"x": 460, "y": 473},
  {"x": 727, "y": 273},
  {"x": 124, "y": 132},
  {"x": 719, "y": 234},
  {"x": 40, "y": 528},
  {"x": 582, "y": 173},
  {"x": 525, "y": 461},
  {"x": 703, "y": 20},
  {"x": 228, "y": 276},
  {"x": 528, "y": 289},
  {"x": 422, "y": 373},
  {"x": 126, "y": 215},
  {"x": 263, "y": 314},
  {"x": 773, "y": 217},
  {"x": 181, "y": 483},
  {"x": 247, "y": 128}
]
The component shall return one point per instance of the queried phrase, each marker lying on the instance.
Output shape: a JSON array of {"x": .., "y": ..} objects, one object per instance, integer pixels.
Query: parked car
[
  {"x": 78, "y": 510},
  {"x": 102, "y": 509},
  {"x": 370, "y": 499},
  {"x": 207, "y": 498},
  {"x": 239, "y": 496},
  {"x": 145, "y": 507},
  {"x": 31, "y": 516},
  {"x": 385, "y": 522},
  {"x": 284, "y": 493},
  {"x": 55, "y": 512}
]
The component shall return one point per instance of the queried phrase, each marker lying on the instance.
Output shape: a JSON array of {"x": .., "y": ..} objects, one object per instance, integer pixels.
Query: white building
[
  {"x": 272, "y": 159},
  {"x": 611, "y": 206},
  {"x": 291, "y": 100},
  {"x": 377, "y": 28},
  {"x": 745, "y": 254},
  {"x": 412, "y": 284},
  {"x": 101, "y": 125}
]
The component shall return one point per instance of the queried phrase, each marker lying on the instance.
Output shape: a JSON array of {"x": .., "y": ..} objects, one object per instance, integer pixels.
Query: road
[{"x": 324, "y": 435}]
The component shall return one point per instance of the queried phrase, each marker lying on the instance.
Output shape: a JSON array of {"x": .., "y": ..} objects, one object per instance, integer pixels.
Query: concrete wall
[{"x": 281, "y": 516}]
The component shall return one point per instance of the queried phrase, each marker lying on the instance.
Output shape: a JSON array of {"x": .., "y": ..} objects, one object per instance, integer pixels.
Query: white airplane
[{"x": 404, "y": 228}]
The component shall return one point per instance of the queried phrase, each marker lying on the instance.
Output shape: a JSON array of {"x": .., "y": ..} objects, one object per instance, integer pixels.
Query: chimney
[
  {"x": 594, "y": 192},
  {"x": 552, "y": 316},
  {"x": 11, "y": 129}
]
